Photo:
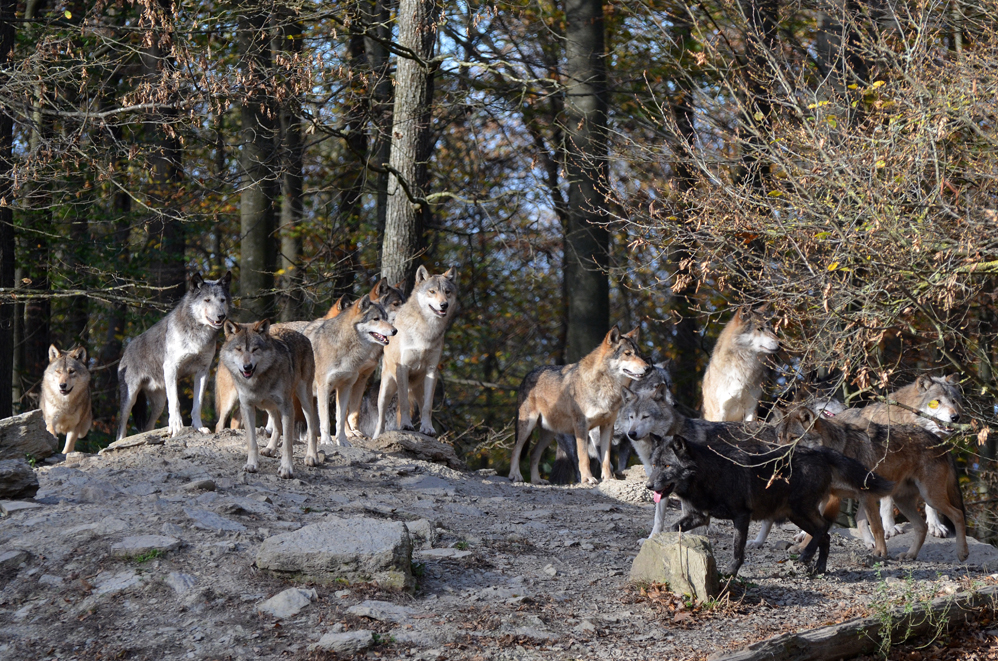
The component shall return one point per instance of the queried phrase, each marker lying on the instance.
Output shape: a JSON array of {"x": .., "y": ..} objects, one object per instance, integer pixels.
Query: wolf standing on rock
[
  {"x": 410, "y": 363},
  {"x": 65, "y": 399},
  {"x": 180, "y": 344}
]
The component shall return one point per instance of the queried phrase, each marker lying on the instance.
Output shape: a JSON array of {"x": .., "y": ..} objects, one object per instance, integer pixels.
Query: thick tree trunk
[
  {"x": 258, "y": 251},
  {"x": 166, "y": 240},
  {"x": 380, "y": 93},
  {"x": 290, "y": 43},
  {"x": 587, "y": 239},
  {"x": 7, "y": 9},
  {"x": 411, "y": 142},
  {"x": 760, "y": 48}
]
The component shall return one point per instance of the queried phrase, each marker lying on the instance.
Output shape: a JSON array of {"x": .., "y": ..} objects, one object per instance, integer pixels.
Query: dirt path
[{"x": 532, "y": 572}]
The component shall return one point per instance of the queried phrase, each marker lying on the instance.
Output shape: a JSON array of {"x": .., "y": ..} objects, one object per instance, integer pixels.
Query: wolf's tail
[{"x": 856, "y": 475}]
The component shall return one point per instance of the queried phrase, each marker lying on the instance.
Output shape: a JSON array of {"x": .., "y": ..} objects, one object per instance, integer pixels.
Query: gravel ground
[{"x": 532, "y": 572}]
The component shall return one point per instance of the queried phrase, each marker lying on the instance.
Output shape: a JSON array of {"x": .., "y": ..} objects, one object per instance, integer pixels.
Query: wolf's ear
[
  {"x": 665, "y": 365},
  {"x": 341, "y": 303},
  {"x": 679, "y": 447},
  {"x": 399, "y": 285},
  {"x": 79, "y": 353},
  {"x": 451, "y": 274},
  {"x": 744, "y": 312},
  {"x": 628, "y": 395},
  {"x": 197, "y": 282},
  {"x": 262, "y": 326},
  {"x": 229, "y": 328},
  {"x": 661, "y": 393},
  {"x": 633, "y": 335},
  {"x": 54, "y": 353},
  {"x": 379, "y": 290},
  {"x": 226, "y": 280},
  {"x": 806, "y": 417},
  {"x": 422, "y": 274},
  {"x": 953, "y": 379},
  {"x": 364, "y": 303},
  {"x": 762, "y": 309},
  {"x": 613, "y": 337},
  {"x": 924, "y": 382}
]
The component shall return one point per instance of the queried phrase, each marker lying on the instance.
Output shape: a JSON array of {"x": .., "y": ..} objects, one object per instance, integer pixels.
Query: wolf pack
[{"x": 796, "y": 466}]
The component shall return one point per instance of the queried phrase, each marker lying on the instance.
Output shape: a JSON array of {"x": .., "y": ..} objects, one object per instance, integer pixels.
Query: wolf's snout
[
  {"x": 631, "y": 436},
  {"x": 444, "y": 305},
  {"x": 954, "y": 417}
]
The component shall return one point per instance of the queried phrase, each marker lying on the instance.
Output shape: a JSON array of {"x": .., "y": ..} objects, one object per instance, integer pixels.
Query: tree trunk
[
  {"x": 380, "y": 92},
  {"x": 166, "y": 241},
  {"x": 411, "y": 142},
  {"x": 7, "y": 10},
  {"x": 290, "y": 42},
  {"x": 760, "y": 45},
  {"x": 258, "y": 253},
  {"x": 587, "y": 239}
]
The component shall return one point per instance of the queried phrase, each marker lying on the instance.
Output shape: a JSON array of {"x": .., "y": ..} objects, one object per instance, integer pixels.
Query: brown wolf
[
  {"x": 915, "y": 460},
  {"x": 65, "y": 401},
  {"x": 339, "y": 306},
  {"x": 733, "y": 381},
  {"x": 269, "y": 367},
  {"x": 412, "y": 359},
  {"x": 346, "y": 348},
  {"x": 941, "y": 401},
  {"x": 572, "y": 399}
]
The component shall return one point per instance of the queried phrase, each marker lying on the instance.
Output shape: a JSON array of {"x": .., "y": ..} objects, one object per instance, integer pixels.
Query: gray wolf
[
  {"x": 65, "y": 400},
  {"x": 346, "y": 348},
  {"x": 574, "y": 399},
  {"x": 732, "y": 384},
  {"x": 940, "y": 401},
  {"x": 916, "y": 461},
  {"x": 744, "y": 482},
  {"x": 566, "y": 464},
  {"x": 269, "y": 367},
  {"x": 411, "y": 360},
  {"x": 179, "y": 345}
]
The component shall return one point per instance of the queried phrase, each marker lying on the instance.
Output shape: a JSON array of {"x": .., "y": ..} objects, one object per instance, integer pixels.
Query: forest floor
[{"x": 535, "y": 572}]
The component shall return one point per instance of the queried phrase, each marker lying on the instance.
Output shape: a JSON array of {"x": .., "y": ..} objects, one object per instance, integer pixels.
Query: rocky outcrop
[
  {"x": 25, "y": 435},
  {"x": 685, "y": 562},
  {"x": 17, "y": 479},
  {"x": 414, "y": 445}
]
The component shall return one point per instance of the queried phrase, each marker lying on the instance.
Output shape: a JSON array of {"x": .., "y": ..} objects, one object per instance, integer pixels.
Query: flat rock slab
[
  {"x": 682, "y": 560},
  {"x": 383, "y": 611},
  {"x": 348, "y": 642},
  {"x": 13, "y": 558},
  {"x": 25, "y": 434},
  {"x": 180, "y": 582},
  {"x": 17, "y": 479},
  {"x": 359, "y": 549},
  {"x": 414, "y": 445},
  {"x": 210, "y": 521},
  {"x": 935, "y": 549},
  {"x": 8, "y": 507},
  {"x": 442, "y": 554},
  {"x": 152, "y": 437},
  {"x": 131, "y": 547},
  {"x": 288, "y": 603}
]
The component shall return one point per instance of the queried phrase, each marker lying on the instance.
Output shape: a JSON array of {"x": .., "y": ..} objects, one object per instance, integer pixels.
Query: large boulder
[
  {"x": 366, "y": 550},
  {"x": 25, "y": 434},
  {"x": 685, "y": 562},
  {"x": 17, "y": 479}
]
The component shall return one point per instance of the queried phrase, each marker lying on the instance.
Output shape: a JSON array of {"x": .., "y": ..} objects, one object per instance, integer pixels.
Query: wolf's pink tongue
[{"x": 658, "y": 496}]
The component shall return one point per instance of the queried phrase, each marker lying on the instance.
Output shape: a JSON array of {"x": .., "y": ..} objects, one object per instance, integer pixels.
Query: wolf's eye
[
  {"x": 644, "y": 416},
  {"x": 433, "y": 291},
  {"x": 628, "y": 353},
  {"x": 934, "y": 404}
]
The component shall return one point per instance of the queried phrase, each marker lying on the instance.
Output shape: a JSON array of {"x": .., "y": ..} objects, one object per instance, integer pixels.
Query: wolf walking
[
  {"x": 179, "y": 345},
  {"x": 65, "y": 402}
]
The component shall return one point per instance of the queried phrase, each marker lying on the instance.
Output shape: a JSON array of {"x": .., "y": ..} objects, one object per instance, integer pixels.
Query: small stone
[
  {"x": 342, "y": 594},
  {"x": 423, "y": 532},
  {"x": 383, "y": 611},
  {"x": 140, "y": 545},
  {"x": 8, "y": 507},
  {"x": 550, "y": 570},
  {"x": 348, "y": 642},
  {"x": 14, "y": 558},
  {"x": 211, "y": 521},
  {"x": 199, "y": 485},
  {"x": 49, "y": 579},
  {"x": 172, "y": 529},
  {"x": 586, "y": 546},
  {"x": 288, "y": 603},
  {"x": 181, "y": 583}
]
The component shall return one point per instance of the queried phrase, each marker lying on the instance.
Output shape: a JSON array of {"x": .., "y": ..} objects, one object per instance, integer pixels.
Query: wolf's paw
[
  {"x": 268, "y": 452},
  {"x": 539, "y": 480},
  {"x": 427, "y": 430},
  {"x": 407, "y": 427},
  {"x": 176, "y": 426},
  {"x": 800, "y": 537},
  {"x": 891, "y": 531},
  {"x": 355, "y": 433},
  {"x": 311, "y": 460},
  {"x": 250, "y": 467},
  {"x": 514, "y": 476},
  {"x": 963, "y": 554},
  {"x": 590, "y": 480},
  {"x": 755, "y": 544},
  {"x": 286, "y": 472},
  {"x": 203, "y": 430},
  {"x": 938, "y": 530},
  {"x": 908, "y": 555},
  {"x": 343, "y": 442}
]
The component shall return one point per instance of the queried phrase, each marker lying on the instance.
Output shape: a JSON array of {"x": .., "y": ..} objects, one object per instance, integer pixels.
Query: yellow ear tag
[{"x": 934, "y": 404}]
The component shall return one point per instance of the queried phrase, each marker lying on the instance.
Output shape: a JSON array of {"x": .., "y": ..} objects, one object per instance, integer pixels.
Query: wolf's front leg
[
  {"x": 322, "y": 393},
  {"x": 385, "y": 394},
  {"x": 176, "y": 423},
  {"x": 426, "y": 406},
  {"x": 304, "y": 391},
  {"x": 741, "y": 535},
  {"x": 70, "y": 441},
  {"x": 249, "y": 418},
  {"x": 659, "y": 516},
  {"x": 689, "y": 521},
  {"x": 936, "y": 526},
  {"x": 405, "y": 410},
  {"x": 605, "y": 438},
  {"x": 342, "y": 409},
  {"x": 760, "y": 539},
  {"x": 287, "y": 470},
  {"x": 200, "y": 382},
  {"x": 891, "y": 527},
  {"x": 582, "y": 448}
]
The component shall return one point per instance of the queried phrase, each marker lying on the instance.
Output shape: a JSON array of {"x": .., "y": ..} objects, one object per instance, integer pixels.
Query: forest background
[{"x": 582, "y": 163}]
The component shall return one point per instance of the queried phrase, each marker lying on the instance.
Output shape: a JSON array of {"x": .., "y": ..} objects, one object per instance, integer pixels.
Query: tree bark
[
  {"x": 7, "y": 18},
  {"x": 587, "y": 239},
  {"x": 258, "y": 253},
  {"x": 411, "y": 142},
  {"x": 292, "y": 179},
  {"x": 760, "y": 45},
  {"x": 380, "y": 93}
]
